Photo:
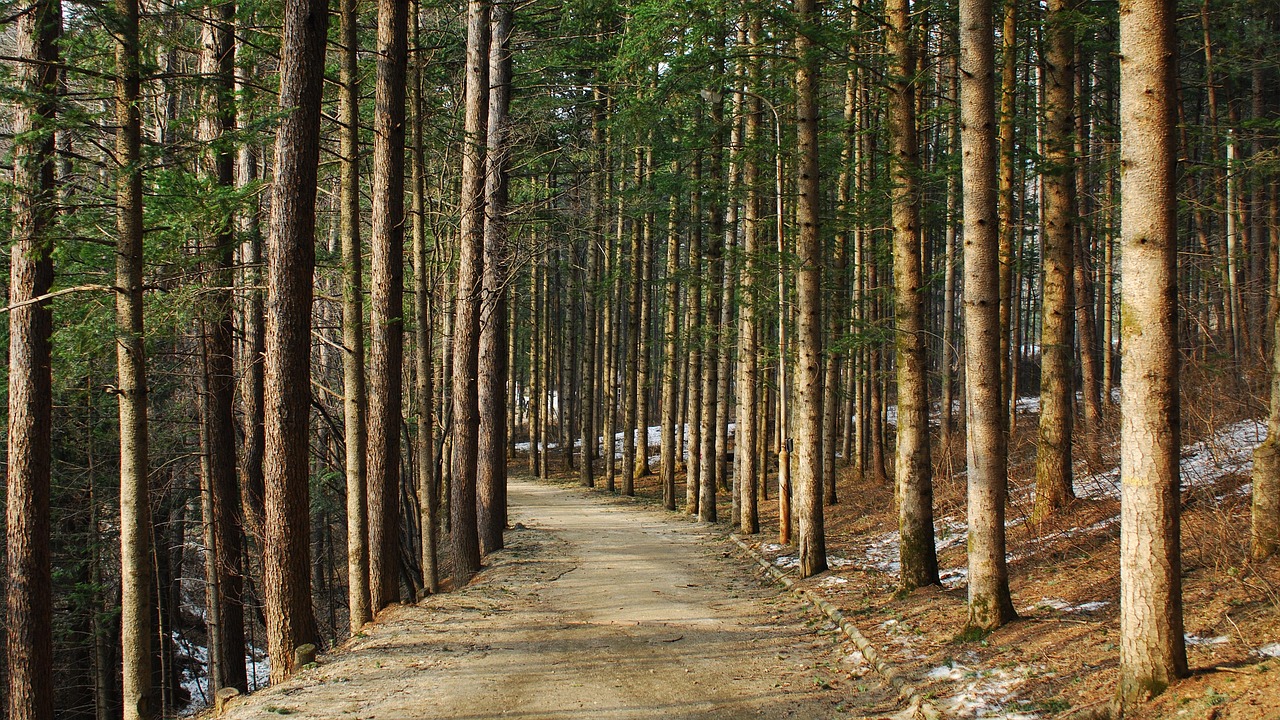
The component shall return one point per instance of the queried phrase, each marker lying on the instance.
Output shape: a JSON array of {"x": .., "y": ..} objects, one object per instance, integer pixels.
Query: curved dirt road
[{"x": 597, "y": 609}]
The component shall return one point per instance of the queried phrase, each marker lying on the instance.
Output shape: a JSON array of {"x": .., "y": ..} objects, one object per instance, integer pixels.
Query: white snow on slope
[{"x": 984, "y": 692}]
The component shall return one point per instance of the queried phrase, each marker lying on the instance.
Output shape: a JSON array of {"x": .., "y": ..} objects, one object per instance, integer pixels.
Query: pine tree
[{"x": 1152, "y": 648}]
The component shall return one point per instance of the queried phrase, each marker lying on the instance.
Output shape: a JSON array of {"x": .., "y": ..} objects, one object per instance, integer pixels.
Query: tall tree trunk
[
  {"x": 29, "y": 609},
  {"x": 1265, "y": 531},
  {"x": 644, "y": 342},
  {"x": 218, "y": 407},
  {"x": 533, "y": 416},
  {"x": 466, "y": 335},
  {"x": 693, "y": 468},
  {"x": 1010, "y": 224},
  {"x": 253, "y": 343},
  {"x": 290, "y": 268},
  {"x": 913, "y": 468},
  {"x": 491, "y": 470},
  {"x": 1152, "y": 648},
  {"x": 386, "y": 300},
  {"x": 1053, "y": 450},
  {"x": 671, "y": 355},
  {"x": 424, "y": 344},
  {"x": 590, "y": 361},
  {"x": 727, "y": 290},
  {"x": 1108, "y": 281},
  {"x": 989, "y": 603},
  {"x": 748, "y": 381},
  {"x": 1082, "y": 272},
  {"x": 632, "y": 339},
  {"x": 713, "y": 251},
  {"x": 136, "y": 619},
  {"x": 950, "y": 358},
  {"x": 608, "y": 337},
  {"x": 808, "y": 486},
  {"x": 353, "y": 379}
]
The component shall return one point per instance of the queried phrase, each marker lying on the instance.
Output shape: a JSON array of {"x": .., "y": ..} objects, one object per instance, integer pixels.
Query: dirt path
[{"x": 596, "y": 610}]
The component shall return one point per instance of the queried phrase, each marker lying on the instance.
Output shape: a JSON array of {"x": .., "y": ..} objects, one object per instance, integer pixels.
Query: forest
[{"x": 295, "y": 286}]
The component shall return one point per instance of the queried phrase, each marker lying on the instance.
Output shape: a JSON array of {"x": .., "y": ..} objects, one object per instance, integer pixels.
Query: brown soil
[
  {"x": 1057, "y": 659},
  {"x": 596, "y": 609}
]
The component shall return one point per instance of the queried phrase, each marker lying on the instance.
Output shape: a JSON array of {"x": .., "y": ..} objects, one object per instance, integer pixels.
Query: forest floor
[
  {"x": 1059, "y": 659},
  {"x": 596, "y": 609}
]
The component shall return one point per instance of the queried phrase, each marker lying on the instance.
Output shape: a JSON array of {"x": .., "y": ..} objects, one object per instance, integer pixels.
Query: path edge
[{"x": 918, "y": 705}]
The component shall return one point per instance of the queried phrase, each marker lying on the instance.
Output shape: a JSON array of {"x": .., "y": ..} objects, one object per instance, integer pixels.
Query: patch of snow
[
  {"x": 1197, "y": 640},
  {"x": 771, "y": 547},
  {"x": 195, "y": 676},
  {"x": 1270, "y": 650},
  {"x": 833, "y": 581},
  {"x": 1064, "y": 606},
  {"x": 953, "y": 578},
  {"x": 1227, "y": 452},
  {"x": 1029, "y": 404},
  {"x": 983, "y": 693},
  {"x": 791, "y": 561},
  {"x": 882, "y": 552}
]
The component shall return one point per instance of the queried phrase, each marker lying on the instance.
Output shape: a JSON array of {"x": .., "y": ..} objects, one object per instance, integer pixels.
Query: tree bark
[
  {"x": 491, "y": 470},
  {"x": 1010, "y": 226},
  {"x": 644, "y": 342},
  {"x": 253, "y": 342},
  {"x": 290, "y": 267},
  {"x": 808, "y": 408},
  {"x": 591, "y": 356},
  {"x": 693, "y": 467},
  {"x": 1265, "y": 530},
  {"x": 136, "y": 620},
  {"x": 988, "y": 482},
  {"x": 632, "y": 340},
  {"x": 1053, "y": 450},
  {"x": 670, "y": 364},
  {"x": 1152, "y": 648},
  {"x": 913, "y": 468},
  {"x": 466, "y": 335},
  {"x": 28, "y": 591},
  {"x": 354, "y": 402},
  {"x": 218, "y": 406},
  {"x": 386, "y": 300},
  {"x": 428, "y": 489},
  {"x": 748, "y": 381}
]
